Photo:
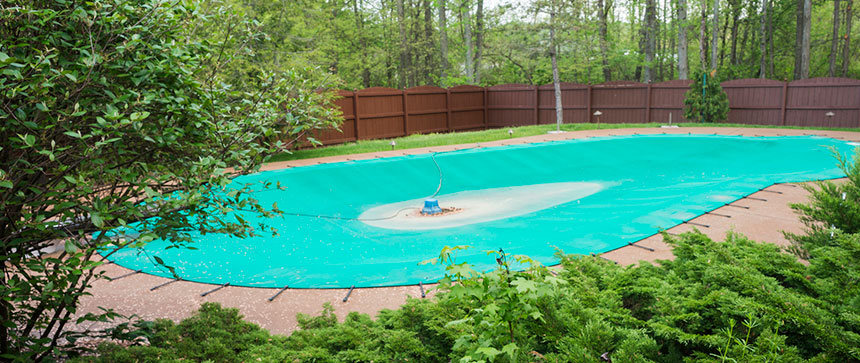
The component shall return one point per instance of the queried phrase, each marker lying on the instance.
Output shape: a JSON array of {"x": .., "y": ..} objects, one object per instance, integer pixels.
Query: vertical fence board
[
  {"x": 467, "y": 108},
  {"x": 826, "y": 102},
  {"x": 667, "y": 98},
  {"x": 511, "y": 105},
  {"x": 620, "y": 101},
  {"x": 427, "y": 110},
  {"x": 754, "y": 101},
  {"x": 574, "y": 99}
]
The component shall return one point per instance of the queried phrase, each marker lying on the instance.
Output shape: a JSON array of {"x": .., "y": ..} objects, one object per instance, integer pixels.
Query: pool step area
[{"x": 764, "y": 215}]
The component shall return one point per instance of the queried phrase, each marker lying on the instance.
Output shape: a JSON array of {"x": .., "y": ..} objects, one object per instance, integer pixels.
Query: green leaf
[
  {"x": 6, "y": 184},
  {"x": 488, "y": 352},
  {"x": 97, "y": 220},
  {"x": 509, "y": 349},
  {"x": 41, "y": 106},
  {"x": 137, "y": 116},
  {"x": 524, "y": 285},
  {"x": 70, "y": 247},
  {"x": 28, "y": 139}
]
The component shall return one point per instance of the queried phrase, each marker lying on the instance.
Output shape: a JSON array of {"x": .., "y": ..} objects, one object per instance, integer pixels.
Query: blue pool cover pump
[{"x": 431, "y": 206}]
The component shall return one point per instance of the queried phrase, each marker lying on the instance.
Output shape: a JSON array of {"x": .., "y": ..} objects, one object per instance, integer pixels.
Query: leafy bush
[
  {"x": 115, "y": 115},
  {"x": 706, "y": 100},
  {"x": 736, "y": 300},
  {"x": 834, "y": 208}
]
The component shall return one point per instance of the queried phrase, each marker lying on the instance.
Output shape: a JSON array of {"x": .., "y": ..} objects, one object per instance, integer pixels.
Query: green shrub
[
  {"x": 706, "y": 101},
  {"x": 834, "y": 207}
]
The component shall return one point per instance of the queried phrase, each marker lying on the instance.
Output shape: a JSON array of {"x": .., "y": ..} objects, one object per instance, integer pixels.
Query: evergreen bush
[{"x": 706, "y": 101}]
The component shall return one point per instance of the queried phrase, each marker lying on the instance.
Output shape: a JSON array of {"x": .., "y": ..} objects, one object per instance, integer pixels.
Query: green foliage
[
  {"x": 706, "y": 101},
  {"x": 116, "y": 114},
  {"x": 834, "y": 208},
  {"x": 494, "y": 304},
  {"x": 731, "y": 301}
]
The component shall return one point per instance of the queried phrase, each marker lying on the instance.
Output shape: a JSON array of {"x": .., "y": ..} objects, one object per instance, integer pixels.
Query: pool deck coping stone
[{"x": 763, "y": 221}]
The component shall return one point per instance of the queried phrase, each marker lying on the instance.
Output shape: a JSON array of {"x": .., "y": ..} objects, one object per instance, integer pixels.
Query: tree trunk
[
  {"x": 703, "y": 46},
  {"x": 467, "y": 35},
  {"x": 428, "y": 43},
  {"x": 559, "y": 110},
  {"x": 715, "y": 34},
  {"x": 770, "y": 64},
  {"x": 443, "y": 41},
  {"x": 604, "y": 48},
  {"x": 683, "y": 66},
  {"x": 736, "y": 14},
  {"x": 747, "y": 24},
  {"x": 798, "y": 38},
  {"x": 660, "y": 35},
  {"x": 846, "y": 46},
  {"x": 359, "y": 26},
  {"x": 762, "y": 73},
  {"x": 650, "y": 33},
  {"x": 479, "y": 40},
  {"x": 404, "y": 44},
  {"x": 801, "y": 50},
  {"x": 673, "y": 41},
  {"x": 723, "y": 36},
  {"x": 834, "y": 43},
  {"x": 804, "y": 55}
]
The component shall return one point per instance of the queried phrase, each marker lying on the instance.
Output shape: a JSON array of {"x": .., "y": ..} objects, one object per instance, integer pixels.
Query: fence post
[
  {"x": 448, "y": 108},
  {"x": 486, "y": 117},
  {"x": 355, "y": 111},
  {"x": 784, "y": 100},
  {"x": 537, "y": 105},
  {"x": 648, "y": 105},
  {"x": 588, "y": 105},
  {"x": 405, "y": 115}
]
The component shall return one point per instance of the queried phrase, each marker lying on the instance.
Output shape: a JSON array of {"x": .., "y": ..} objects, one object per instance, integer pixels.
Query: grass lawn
[{"x": 454, "y": 138}]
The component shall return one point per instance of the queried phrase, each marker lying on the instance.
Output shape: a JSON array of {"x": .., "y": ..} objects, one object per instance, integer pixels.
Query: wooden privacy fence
[{"x": 379, "y": 112}]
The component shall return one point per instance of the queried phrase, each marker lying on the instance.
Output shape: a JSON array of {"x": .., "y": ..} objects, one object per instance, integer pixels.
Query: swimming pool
[{"x": 581, "y": 196}]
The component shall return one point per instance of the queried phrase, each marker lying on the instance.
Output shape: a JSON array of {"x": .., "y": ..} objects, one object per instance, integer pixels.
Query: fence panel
[
  {"x": 620, "y": 102},
  {"x": 381, "y": 113},
  {"x": 386, "y": 112},
  {"x": 667, "y": 101},
  {"x": 512, "y": 105},
  {"x": 755, "y": 101},
  {"x": 574, "y": 103},
  {"x": 467, "y": 108},
  {"x": 823, "y": 102},
  {"x": 426, "y": 110}
]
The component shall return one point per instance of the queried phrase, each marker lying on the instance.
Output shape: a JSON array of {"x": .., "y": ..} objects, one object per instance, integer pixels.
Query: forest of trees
[{"x": 405, "y": 43}]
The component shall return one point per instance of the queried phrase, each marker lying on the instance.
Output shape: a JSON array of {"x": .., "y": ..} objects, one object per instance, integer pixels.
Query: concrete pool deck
[{"x": 761, "y": 216}]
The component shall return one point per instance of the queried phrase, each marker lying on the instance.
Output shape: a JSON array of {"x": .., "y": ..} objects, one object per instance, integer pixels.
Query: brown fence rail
[{"x": 378, "y": 112}]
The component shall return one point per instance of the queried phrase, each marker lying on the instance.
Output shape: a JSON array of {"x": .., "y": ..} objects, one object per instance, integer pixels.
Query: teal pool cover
[{"x": 581, "y": 196}]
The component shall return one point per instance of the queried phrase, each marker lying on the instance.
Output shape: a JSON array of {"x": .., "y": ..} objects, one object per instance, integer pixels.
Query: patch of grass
[{"x": 470, "y": 137}]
